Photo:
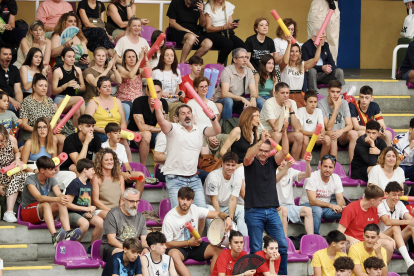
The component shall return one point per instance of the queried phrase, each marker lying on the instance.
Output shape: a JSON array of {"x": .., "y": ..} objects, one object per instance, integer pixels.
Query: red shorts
[{"x": 31, "y": 213}]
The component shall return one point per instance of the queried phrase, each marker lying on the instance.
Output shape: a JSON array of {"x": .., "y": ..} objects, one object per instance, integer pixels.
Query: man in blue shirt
[{"x": 125, "y": 263}]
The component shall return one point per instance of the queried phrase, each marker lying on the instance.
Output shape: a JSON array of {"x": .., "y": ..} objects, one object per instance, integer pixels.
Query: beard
[
  {"x": 132, "y": 212},
  {"x": 184, "y": 123}
]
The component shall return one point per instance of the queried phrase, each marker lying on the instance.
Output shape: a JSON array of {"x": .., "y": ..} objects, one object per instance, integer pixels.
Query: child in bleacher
[
  {"x": 323, "y": 260},
  {"x": 373, "y": 266},
  {"x": 156, "y": 262},
  {"x": 8, "y": 118},
  {"x": 113, "y": 131},
  {"x": 343, "y": 266},
  {"x": 309, "y": 116},
  {"x": 81, "y": 210},
  {"x": 38, "y": 205},
  {"x": 196, "y": 64},
  {"x": 126, "y": 262}
]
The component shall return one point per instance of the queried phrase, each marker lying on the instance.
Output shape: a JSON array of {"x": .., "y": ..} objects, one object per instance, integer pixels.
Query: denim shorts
[
  {"x": 405, "y": 75},
  {"x": 58, "y": 98}
]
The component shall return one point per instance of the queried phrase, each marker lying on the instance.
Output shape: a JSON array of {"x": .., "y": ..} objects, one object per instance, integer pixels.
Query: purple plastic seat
[
  {"x": 235, "y": 115},
  {"x": 246, "y": 245},
  {"x": 320, "y": 97},
  {"x": 409, "y": 85},
  {"x": 294, "y": 256},
  {"x": 300, "y": 166},
  {"x": 146, "y": 33},
  {"x": 164, "y": 185},
  {"x": 164, "y": 208},
  {"x": 340, "y": 171},
  {"x": 169, "y": 43},
  {"x": 95, "y": 252},
  {"x": 309, "y": 244},
  {"x": 218, "y": 67},
  {"x": 138, "y": 167},
  {"x": 322, "y": 85},
  {"x": 73, "y": 255},
  {"x": 409, "y": 183},
  {"x": 35, "y": 226},
  {"x": 392, "y": 132},
  {"x": 184, "y": 69},
  {"x": 361, "y": 182},
  {"x": 393, "y": 274},
  {"x": 146, "y": 206}
]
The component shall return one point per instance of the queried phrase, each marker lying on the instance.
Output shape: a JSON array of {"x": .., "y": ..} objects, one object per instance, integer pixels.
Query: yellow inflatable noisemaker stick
[
  {"x": 16, "y": 170},
  {"x": 312, "y": 141},
  {"x": 59, "y": 111},
  {"x": 192, "y": 230}
]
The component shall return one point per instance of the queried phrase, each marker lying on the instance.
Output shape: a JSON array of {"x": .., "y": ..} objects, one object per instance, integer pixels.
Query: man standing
[
  {"x": 10, "y": 81},
  {"x": 50, "y": 11},
  {"x": 404, "y": 144},
  {"x": 261, "y": 200}
]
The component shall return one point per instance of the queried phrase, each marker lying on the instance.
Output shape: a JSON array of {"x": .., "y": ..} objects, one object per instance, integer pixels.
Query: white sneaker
[
  {"x": 410, "y": 263},
  {"x": 10, "y": 216}
]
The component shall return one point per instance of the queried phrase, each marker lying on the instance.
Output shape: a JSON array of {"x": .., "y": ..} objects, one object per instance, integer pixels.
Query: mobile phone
[
  {"x": 236, "y": 20},
  {"x": 194, "y": 3},
  {"x": 84, "y": 56}
]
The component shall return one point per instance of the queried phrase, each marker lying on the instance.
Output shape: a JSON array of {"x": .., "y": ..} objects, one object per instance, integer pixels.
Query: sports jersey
[
  {"x": 159, "y": 269},
  {"x": 401, "y": 143},
  {"x": 373, "y": 112}
]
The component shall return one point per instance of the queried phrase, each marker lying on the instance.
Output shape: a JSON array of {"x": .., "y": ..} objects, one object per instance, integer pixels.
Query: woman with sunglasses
[{"x": 107, "y": 184}]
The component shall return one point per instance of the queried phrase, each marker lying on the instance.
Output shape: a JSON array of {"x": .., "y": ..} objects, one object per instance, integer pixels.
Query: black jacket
[{"x": 309, "y": 51}]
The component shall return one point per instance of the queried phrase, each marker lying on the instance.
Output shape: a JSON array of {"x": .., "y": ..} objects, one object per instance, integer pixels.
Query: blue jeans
[
  {"x": 103, "y": 137},
  {"x": 176, "y": 182},
  {"x": 228, "y": 106},
  {"x": 259, "y": 219},
  {"x": 127, "y": 108},
  {"x": 408, "y": 171},
  {"x": 318, "y": 213}
]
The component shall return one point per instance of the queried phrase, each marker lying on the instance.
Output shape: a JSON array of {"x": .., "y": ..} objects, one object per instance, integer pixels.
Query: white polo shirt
[
  {"x": 384, "y": 209},
  {"x": 183, "y": 149}
]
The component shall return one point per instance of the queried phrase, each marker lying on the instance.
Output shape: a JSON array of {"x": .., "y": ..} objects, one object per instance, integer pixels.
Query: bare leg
[
  {"x": 83, "y": 225},
  {"x": 284, "y": 219},
  {"x": 296, "y": 138},
  {"x": 326, "y": 146},
  {"x": 121, "y": 34},
  {"x": 144, "y": 147},
  {"x": 204, "y": 48},
  {"x": 102, "y": 214},
  {"x": 80, "y": 111},
  {"x": 304, "y": 145},
  {"x": 45, "y": 213},
  {"x": 389, "y": 246},
  {"x": 11, "y": 200},
  {"x": 97, "y": 231},
  {"x": 63, "y": 215},
  {"x": 188, "y": 42},
  {"x": 201, "y": 225},
  {"x": 178, "y": 259},
  {"x": 276, "y": 136},
  {"x": 387, "y": 137},
  {"x": 212, "y": 252},
  {"x": 139, "y": 185},
  {"x": 307, "y": 213},
  {"x": 351, "y": 137},
  {"x": 334, "y": 144}
]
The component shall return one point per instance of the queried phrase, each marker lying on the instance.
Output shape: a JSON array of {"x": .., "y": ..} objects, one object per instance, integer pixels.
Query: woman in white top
[
  {"x": 132, "y": 40},
  {"x": 156, "y": 57},
  {"x": 387, "y": 169},
  {"x": 293, "y": 68},
  {"x": 281, "y": 42},
  {"x": 220, "y": 28},
  {"x": 32, "y": 65}
]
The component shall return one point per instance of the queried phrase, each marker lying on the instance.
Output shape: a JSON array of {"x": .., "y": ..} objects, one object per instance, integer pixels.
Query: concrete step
[
  {"x": 398, "y": 120},
  {"x": 19, "y": 252},
  {"x": 392, "y": 104}
]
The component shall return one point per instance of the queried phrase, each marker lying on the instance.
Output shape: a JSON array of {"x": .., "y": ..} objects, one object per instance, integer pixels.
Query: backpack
[
  {"x": 229, "y": 124},
  {"x": 408, "y": 27}
]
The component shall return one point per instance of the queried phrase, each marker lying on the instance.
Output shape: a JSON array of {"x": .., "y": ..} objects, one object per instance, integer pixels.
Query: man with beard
[
  {"x": 181, "y": 245},
  {"x": 121, "y": 223},
  {"x": 10, "y": 81}
]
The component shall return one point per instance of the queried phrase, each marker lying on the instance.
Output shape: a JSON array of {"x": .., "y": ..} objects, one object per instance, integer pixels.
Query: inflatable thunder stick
[
  {"x": 405, "y": 198},
  {"x": 207, "y": 73},
  {"x": 137, "y": 136},
  {"x": 68, "y": 115},
  {"x": 192, "y": 230},
  {"x": 16, "y": 170},
  {"x": 61, "y": 157},
  {"x": 282, "y": 25},
  {"x": 279, "y": 148},
  {"x": 150, "y": 53},
  {"x": 312, "y": 141},
  {"x": 196, "y": 97},
  {"x": 137, "y": 178},
  {"x": 56, "y": 160},
  {"x": 127, "y": 135},
  {"x": 59, "y": 111},
  {"x": 151, "y": 87},
  {"x": 213, "y": 82},
  {"x": 323, "y": 27},
  {"x": 8, "y": 168}
]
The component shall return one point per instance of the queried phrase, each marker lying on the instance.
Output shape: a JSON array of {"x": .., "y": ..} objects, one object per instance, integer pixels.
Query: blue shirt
[{"x": 116, "y": 266}]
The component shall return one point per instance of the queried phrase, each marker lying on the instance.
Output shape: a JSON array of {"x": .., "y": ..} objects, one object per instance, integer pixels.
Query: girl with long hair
[
  {"x": 267, "y": 78},
  {"x": 156, "y": 57},
  {"x": 281, "y": 41},
  {"x": 32, "y": 65}
]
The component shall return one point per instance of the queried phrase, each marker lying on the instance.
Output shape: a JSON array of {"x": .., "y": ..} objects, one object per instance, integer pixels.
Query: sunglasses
[
  {"x": 329, "y": 157},
  {"x": 7, "y": 77},
  {"x": 109, "y": 112}
]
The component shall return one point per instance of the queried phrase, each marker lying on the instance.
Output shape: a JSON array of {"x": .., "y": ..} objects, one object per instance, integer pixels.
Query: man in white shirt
[
  {"x": 278, "y": 110},
  {"x": 222, "y": 188},
  {"x": 181, "y": 245},
  {"x": 318, "y": 190},
  {"x": 392, "y": 214}
]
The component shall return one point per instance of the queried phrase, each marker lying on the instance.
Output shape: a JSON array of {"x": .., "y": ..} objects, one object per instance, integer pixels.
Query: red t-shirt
[
  {"x": 355, "y": 219},
  {"x": 225, "y": 263},
  {"x": 265, "y": 267},
  {"x": 182, "y": 87}
]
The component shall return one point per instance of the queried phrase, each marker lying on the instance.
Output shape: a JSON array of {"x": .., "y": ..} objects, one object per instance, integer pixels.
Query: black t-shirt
[
  {"x": 258, "y": 49},
  {"x": 7, "y": 9},
  {"x": 73, "y": 144},
  {"x": 187, "y": 17},
  {"x": 141, "y": 106},
  {"x": 14, "y": 77},
  {"x": 90, "y": 12},
  {"x": 82, "y": 193},
  {"x": 261, "y": 184}
]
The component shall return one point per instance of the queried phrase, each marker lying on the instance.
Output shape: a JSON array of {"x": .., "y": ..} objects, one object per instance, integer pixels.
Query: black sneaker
[
  {"x": 58, "y": 236},
  {"x": 89, "y": 250},
  {"x": 151, "y": 180},
  {"x": 73, "y": 235}
]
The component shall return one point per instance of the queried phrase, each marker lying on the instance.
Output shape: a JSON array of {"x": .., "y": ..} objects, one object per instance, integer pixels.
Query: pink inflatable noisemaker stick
[
  {"x": 196, "y": 97},
  {"x": 154, "y": 48},
  {"x": 137, "y": 136},
  {"x": 282, "y": 25},
  {"x": 69, "y": 115},
  {"x": 8, "y": 168},
  {"x": 323, "y": 27}
]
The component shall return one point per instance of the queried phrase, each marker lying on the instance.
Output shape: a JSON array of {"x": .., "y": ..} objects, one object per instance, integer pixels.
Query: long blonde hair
[
  {"x": 213, "y": 6},
  {"x": 33, "y": 26},
  {"x": 49, "y": 146},
  {"x": 245, "y": 123}
]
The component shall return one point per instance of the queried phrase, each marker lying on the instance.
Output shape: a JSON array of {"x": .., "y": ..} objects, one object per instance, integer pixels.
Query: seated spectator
[
  {"x": 156, "y": 260},
  {"x": 228, "y": 257},
  {"x": 10, "y": 186},
  {"x": 369, "y": 247},
  {"x": 43, "y": 143},
  {"x": 181, "y": 246},
  {"x": 11, "y": 34},
  {"x": 293, "y": 68},
  {"x": 119, "y": 12},
  {"x": 281, "y": 41},
  {"x": 309, "y": 116},
  {"x": 393, "y": 214},
  {"x": 274, "y": 114},
  {"x": 10, "y": 81},
  {"x": 259, "y": 44},
  {"x": 185, "y": 18},
  {"x": 387, "y": 169},
  {"x": 196, "y": 64},
  {"x": 144, "y": 120},
  {"x": 343, "y": 266},
  {"x": 113, "y": 131},
  {"x": 373, "y": 266},
  {"x": 220, "y": 28},
  {"x": 156, "y": 56},
  {"x": 323, "y": 260},
  {"x": 81, "y": 210},
  {"x": 271, "y": 255},
  {"x": 82, "y": 144},
  {"x": 407, "y": 65},
  {"x": 236, "y": 82},
  {"x": 222, "y": 188},
  {"x": 285, "y": 175},
  {"x": 337, "y": 120},
  {"x": 67, "y": 78},
  {"x": 318, "y": 190},
  {"x": 267, "y": 77},
  {"x": 126, "y": 215},
  {"x": 35, "y": 38},
  {"x": 108, "y": 183},
  {"x": 32, "y": 65},
  {"x": 126, "y": 261},
  {"x": 367, "y": 151},
  {"x": 78, "y": 43},
  {"x": 7, "y": 118},
  {"x": 39, "y": 205},
  {"x": 50, "y": 11},
  {"x": 365, "y": 110},
  {"x": 404, "y": 143},
  {"x": 325, "y": 69}
]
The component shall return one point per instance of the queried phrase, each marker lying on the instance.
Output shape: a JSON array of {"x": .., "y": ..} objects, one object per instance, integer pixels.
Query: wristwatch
[
  {"x": 293, "y": 112},
  {"x": 128, "y": 5},
  {"x": 213, "y": 118},
  {"x": 254, "y": 72}
]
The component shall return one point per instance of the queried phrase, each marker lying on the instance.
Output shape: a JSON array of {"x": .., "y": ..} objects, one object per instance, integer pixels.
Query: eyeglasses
[
  {"x": 7, "y": 77},
  {"x": 133, "y": 201},
  {"x": 329, "y": 157},
  {"x": 109, "y": 113}
]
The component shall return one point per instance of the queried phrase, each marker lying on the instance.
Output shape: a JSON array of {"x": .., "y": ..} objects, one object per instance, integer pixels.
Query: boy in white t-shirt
[
  {"x": 309, "y": 116},
  {"x": 392, "y": 214},
  {"x": 113, "y": 131},
  {"x": 285, "y": 176}
]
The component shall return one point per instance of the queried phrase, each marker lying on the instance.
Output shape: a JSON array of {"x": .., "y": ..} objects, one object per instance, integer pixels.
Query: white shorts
[
  {"x": 294, "y": 213},
  {"x": 97, "y": 211}
]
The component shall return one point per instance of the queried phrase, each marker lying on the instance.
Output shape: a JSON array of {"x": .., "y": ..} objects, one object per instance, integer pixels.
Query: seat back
[
  {"x": 300, "y": 166},
  {"x": 291, "y": 246},
  {"x": 184, "y": 69},
  {"x": 169, "y": 42},
  {"x": 392, "y": 132},
  {"x": 139, "y": 168},
  {"x": 146, "y": 33},
  {"x": 67, "y": 251},
  {"x": 164, "y": 208},
  {"x": 309, "y": 244},
  {"x": 393, "y": 274},
  {"x": 320, "y": 97},
  {"x": 218, "y": 67},
  {"x": 144, "y": 206},
  {"x": 246, "y": 245},
  {"x": 339, "y": 170},
  {"x": 96, "y": 245}
]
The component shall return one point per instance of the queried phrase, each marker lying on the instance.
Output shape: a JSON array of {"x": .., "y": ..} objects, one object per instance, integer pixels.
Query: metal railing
[{"x": 394, "y": 59}]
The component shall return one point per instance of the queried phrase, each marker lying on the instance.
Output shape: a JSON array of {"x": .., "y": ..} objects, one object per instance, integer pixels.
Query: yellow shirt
[
  {"x": 104, "y": 117},
  {"x": 358, "y": 254},
  {"x": 322, "y": 260}
]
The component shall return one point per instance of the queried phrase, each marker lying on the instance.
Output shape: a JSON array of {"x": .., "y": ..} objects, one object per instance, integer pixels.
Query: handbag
[
  {"x": 408, "y": 27},
  {"x": 98, "y": 22},
  {"x": 209, "y": 162}
]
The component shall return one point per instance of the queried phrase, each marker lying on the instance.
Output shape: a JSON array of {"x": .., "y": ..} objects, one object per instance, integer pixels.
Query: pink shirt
[{"x": 49, "y": 12}]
